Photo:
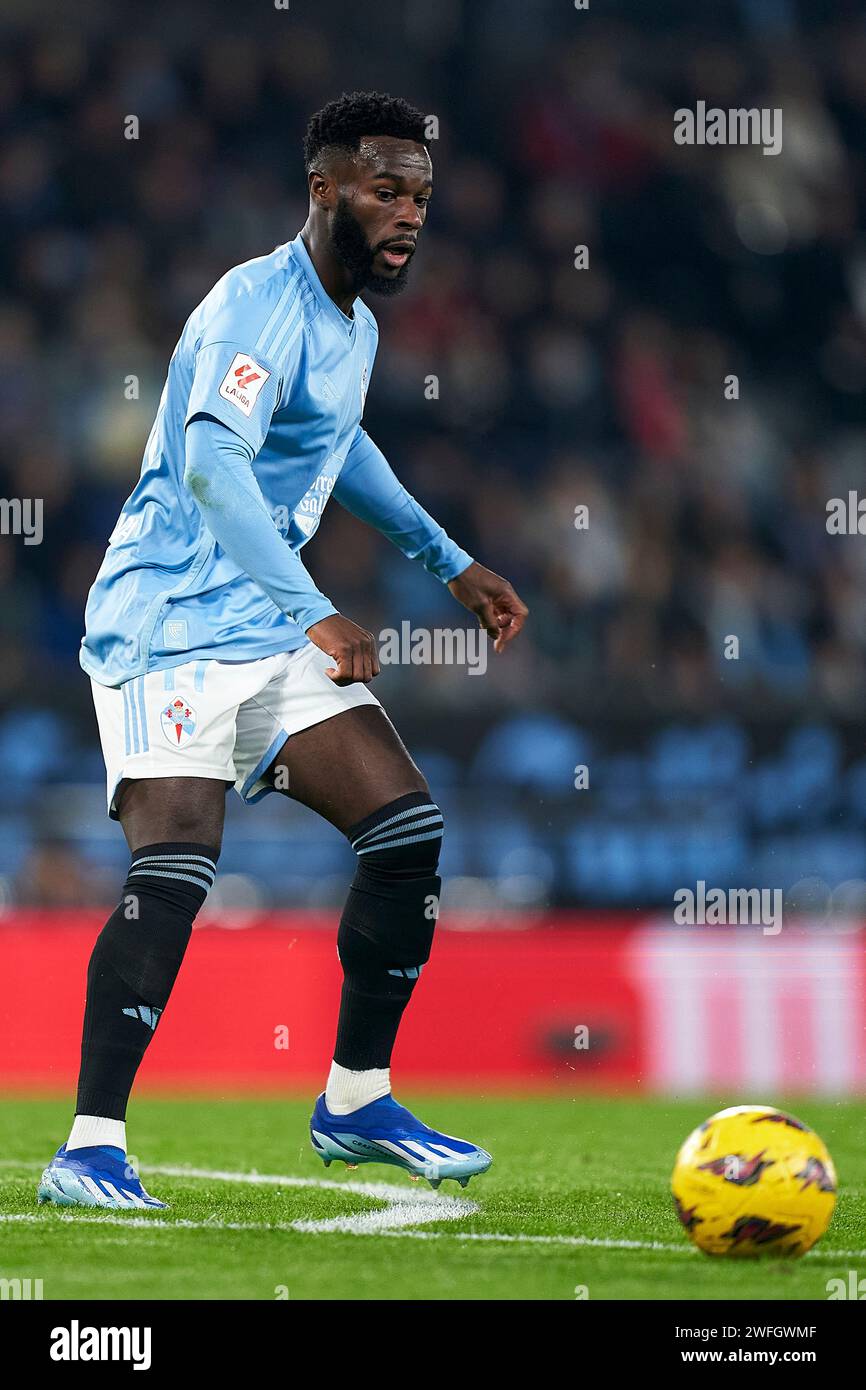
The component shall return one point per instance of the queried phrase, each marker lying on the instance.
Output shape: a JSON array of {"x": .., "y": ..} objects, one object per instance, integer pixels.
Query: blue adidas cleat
[
  {"x": 99, "y": 1176},
  {"x": 385, "y": 1132}
]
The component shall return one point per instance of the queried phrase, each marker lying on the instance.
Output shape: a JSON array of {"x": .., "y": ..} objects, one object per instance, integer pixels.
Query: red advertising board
[{"x": 601, "y": 1002}]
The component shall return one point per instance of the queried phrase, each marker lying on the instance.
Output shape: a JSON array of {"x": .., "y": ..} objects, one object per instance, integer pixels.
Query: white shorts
[{"x": 220, "y": 719}]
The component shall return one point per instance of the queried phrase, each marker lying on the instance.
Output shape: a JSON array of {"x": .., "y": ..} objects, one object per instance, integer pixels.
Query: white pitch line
[
  {"x": 161, "y": 1223},
  {"x": 403, "y": 1209},
  {"x": 387, "y": 1191},
  {"x": 150, "y": 1223},
  {"x": 158, "y": 1223}
]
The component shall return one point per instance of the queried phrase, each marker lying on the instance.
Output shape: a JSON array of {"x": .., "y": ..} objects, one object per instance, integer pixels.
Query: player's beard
[{"x": 354, "y": 251}]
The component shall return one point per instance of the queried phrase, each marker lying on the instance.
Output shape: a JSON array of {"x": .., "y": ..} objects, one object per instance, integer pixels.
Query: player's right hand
[{"x": 351, "y": 648}]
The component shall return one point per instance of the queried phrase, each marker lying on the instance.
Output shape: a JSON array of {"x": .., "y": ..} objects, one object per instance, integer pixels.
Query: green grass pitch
[{"x": 577, "y": 1199}]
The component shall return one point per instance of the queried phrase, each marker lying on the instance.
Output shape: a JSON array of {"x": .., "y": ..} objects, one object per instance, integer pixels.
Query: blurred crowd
[
  {"x": 555, "y": 387},
  {"x": 511, "y": 387}
]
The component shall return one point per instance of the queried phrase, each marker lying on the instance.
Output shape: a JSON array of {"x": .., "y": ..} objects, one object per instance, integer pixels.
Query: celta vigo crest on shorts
[{"x": 178, "y": 721}]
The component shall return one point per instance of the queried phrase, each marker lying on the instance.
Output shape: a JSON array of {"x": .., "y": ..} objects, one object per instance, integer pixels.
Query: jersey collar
[{"x": 327, "y": 303}]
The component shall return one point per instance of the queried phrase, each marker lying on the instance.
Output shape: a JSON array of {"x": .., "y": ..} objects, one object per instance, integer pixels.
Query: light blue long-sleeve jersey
[{"x": 204, "y": 560}]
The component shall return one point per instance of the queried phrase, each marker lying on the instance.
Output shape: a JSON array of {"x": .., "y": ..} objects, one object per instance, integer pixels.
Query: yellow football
[{"x": 753, "y": 1180}]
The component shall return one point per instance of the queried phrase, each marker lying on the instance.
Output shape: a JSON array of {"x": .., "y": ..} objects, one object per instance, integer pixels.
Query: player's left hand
[{"x": 492, "y": 599}]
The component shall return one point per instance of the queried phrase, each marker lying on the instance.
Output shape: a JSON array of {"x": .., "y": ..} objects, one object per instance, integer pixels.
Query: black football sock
[
  {"x": 387, "y": 926},
  {"x": 133, "y": 967}
]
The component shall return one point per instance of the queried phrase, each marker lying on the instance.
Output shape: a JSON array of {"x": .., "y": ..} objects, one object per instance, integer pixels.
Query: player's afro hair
[{"x": 342, "y": 123}]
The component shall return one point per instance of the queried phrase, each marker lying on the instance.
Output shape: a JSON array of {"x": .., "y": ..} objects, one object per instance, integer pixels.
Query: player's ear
[{"x": 322, "y": 188}]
